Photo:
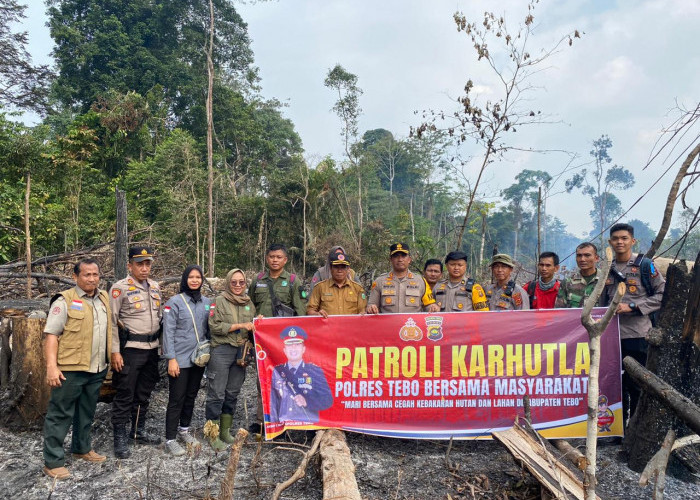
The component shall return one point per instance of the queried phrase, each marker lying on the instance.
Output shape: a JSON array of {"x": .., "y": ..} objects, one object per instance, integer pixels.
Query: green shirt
[{"x": 287, "y": 292}]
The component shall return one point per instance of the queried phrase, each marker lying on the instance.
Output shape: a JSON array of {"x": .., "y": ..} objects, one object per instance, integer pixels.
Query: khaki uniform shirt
[
  {"x": 288, "y": 293},
  {"x": 139, "y": 308},
  {"x": 637, "y": 323},
  {"x": 499, "y": 301},
  {"x": 453, "y": 296},
  {"x": 401, "y": 295},
  {"x": 348, "y": 298},
  {"x": 574, "y": 291},
  {"x": 58, "y": 315}
]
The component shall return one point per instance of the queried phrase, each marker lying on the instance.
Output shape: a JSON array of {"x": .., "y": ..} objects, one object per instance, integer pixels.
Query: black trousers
[
  {"x": 637, "y": 349},
  {"x": 134, "y": 385},
  {"x": 182, "y": 393}
]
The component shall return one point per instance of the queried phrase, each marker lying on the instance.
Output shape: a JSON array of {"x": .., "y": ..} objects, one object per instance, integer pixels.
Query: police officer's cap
[
  {"x": 502, "y": 258},
  {"x": 139, "y": 253},
  {"x": 338, "y": 257},
  {"x": 293, "y": 335},
  {"x": 398, "y": 248}
]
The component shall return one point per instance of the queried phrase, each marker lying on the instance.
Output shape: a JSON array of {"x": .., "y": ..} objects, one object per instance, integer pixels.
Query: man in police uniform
[
  {"x": 459, "y": 292},
  {"x": 338, "y": 294},
  {"x": 136, "y": 310},
  {"x": 76, "y": 347},
  {"x": 504, "y": 294},
  {"x": 290, "y": 298},
  {"x": 299, "y": 389},
  {"x": 636, "y": 304},
  {"x": 400, "y": 291},
  {"x": 576, "y": 289}
]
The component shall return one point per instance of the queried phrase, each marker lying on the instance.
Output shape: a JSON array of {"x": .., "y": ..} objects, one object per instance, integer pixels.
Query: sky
[{"x": 626, "y": 77}]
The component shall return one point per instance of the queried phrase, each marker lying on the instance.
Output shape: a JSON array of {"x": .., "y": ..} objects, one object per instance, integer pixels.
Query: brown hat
[
  {"x": 502, "y": 258},
  {"x": 398, "y": 248}
]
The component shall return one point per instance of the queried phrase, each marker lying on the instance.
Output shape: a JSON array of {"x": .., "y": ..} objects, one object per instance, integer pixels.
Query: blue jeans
[{"x": 224, "y": 381}]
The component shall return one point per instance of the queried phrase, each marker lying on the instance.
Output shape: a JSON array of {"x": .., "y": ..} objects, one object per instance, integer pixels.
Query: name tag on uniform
[{"x": 261, "y": 285}]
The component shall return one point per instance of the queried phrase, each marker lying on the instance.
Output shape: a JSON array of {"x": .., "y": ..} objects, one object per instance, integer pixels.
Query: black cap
[
  {"x": 398, "y": 248},
  {"x": 338, "y": 257},
  {"x": 139, "y": 254}
]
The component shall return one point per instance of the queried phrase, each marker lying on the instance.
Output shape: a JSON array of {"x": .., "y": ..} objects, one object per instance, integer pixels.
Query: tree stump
[
  {"x": 674, "y": 359},
  {"x": 338, "y": 470},
  {"x": 29, "y": 392}
]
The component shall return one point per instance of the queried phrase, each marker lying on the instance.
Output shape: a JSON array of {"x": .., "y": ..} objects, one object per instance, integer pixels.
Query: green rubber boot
[
  {"x": 225, "y": 429},
  {"x": 211, "y": 431}
]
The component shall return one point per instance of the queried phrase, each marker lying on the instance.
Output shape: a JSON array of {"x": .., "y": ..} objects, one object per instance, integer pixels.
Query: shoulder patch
[
  {"x": 374, "y": 285},
  {"x": 56, "y": 310},
  {"x": 116, "y": 293}
]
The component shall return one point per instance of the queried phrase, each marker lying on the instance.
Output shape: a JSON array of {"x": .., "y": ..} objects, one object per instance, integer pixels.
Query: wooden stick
[
  {"x": 301, "y": 470},
  {"x": 226, "y": 492},
  {"x": 571, "y": 453},
  {"x": 657, "y": 466},
  {"x": 595, "y": 330}
]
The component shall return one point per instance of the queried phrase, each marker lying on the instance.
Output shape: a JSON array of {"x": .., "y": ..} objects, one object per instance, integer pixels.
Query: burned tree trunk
[
  {"x": 29, "y": 392},
  {"x": 673, "y": 358}
]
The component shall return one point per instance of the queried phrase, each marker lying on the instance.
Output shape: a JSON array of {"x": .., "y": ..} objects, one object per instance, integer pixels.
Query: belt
[{"x": 134, "y": 337}]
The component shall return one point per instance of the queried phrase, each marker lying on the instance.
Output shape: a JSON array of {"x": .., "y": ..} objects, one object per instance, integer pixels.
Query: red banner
[{"x": 435, "y": 376}]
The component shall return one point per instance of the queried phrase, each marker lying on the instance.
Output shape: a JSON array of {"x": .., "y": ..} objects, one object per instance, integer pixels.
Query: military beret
[
  {"x": 139, "y": 253},
  {"x": 293, "y": 335},
  {"x": 503, "y": 259},
  {"x": 398, "y": 248}
]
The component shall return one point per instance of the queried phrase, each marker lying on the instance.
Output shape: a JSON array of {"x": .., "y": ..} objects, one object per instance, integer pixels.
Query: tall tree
[
  {"x": 347, "y": 107},
  {"x": 507, "y": 53},
  {"x": 599, "y": 183},
  {"x": 22, "y": 84},
  {"x": 523, "y": 191}
]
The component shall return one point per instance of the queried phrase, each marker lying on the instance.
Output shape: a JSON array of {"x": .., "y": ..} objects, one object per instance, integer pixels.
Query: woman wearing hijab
[
  {"x": 231, "y": 325},
  {"x": 184, "y": 324}
]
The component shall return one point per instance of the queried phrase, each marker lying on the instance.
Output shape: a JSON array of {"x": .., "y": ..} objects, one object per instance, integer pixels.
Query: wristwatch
[{"x": 633, "y": 306}]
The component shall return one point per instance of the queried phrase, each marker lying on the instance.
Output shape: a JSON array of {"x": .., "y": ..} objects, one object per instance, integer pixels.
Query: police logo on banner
[
  {"x": 410, "y": 331},
  {"x": 434, "y": 324}
]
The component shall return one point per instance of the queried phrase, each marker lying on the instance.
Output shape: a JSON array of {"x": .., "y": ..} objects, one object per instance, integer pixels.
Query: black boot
[
  {"x": 140, "y": 435},
  {"x": 121, "y": 443}
]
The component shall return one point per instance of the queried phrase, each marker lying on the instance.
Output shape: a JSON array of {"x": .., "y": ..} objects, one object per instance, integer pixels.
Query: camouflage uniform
[
  {"x": 500, "y": 301},
  {"x": 575, "y": 290}
]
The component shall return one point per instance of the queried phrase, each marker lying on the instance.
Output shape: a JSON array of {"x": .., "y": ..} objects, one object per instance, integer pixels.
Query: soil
[{"x": 385, "y": 468}]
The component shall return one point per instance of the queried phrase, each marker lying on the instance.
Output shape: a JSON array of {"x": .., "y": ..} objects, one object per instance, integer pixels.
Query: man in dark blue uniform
[{"x": 299, "y": 389}]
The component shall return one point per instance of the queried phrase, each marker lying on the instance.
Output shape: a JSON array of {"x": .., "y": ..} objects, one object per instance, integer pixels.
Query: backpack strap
[
  {"x": 530, "y": 288},
  {"x": 260, "y": 275},
  {"x": 292, "y": 277},
  {"x": 645, "y": 272}
]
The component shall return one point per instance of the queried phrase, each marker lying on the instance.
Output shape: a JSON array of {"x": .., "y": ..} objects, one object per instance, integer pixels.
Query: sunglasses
[{"x": 238, "y": 283}]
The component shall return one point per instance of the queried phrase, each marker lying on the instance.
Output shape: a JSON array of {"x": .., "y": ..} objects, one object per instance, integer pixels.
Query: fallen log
[
  {"x": 338, "y": 470},
  {"x": 570, "y": 453},
  {"x": 558, "y": 480},
  {"x": 226, "y": 492},
  {"x": 52, "y": 277},
  {"x": 683, "y": 407},
  {"x": 301, "y": 470}
]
